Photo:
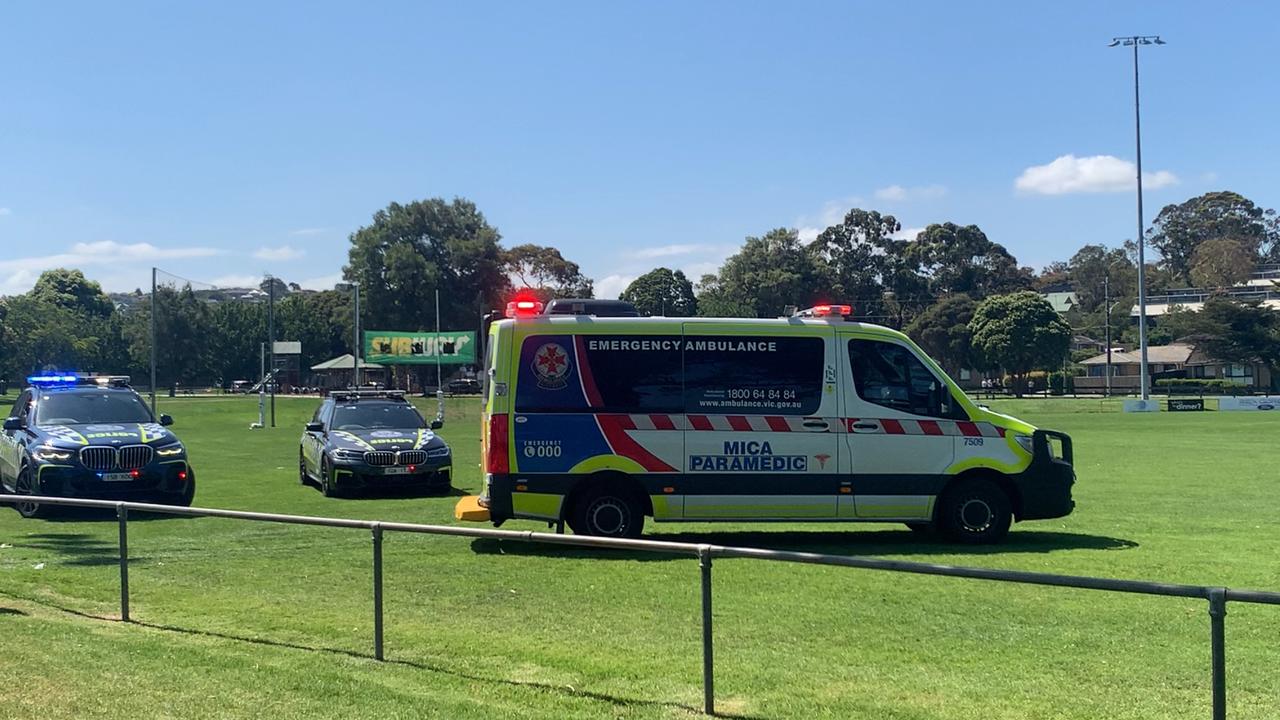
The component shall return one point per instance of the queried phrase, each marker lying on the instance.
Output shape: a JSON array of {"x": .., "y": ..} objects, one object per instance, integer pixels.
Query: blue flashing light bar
[{"x": 52, "y": 379}]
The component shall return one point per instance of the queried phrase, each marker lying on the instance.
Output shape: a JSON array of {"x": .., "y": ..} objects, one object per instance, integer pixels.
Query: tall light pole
[
  {"x": 354, "y": 287},
  {"x": 1136, "y": 41}
]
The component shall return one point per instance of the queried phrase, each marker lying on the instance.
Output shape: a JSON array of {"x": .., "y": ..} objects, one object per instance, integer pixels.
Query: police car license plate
[
  {"x": 116, "y": 477},
  {"x": 395, "y": 471}
]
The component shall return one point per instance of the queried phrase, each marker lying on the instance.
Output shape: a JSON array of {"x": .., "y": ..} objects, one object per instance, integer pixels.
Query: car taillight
[{"x": 496, "y": 460}]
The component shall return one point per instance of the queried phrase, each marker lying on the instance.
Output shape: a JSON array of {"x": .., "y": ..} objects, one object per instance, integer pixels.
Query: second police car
[
  {"x": 361, "y": 439},
  {"x": 90, "y": 437}
]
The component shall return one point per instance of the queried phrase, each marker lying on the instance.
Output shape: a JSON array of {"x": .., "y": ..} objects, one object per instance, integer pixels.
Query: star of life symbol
[{"x": 551, "y": 365}]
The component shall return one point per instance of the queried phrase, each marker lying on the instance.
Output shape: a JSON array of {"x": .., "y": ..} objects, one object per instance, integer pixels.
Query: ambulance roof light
[
  {"x": 827, "y": 310},
  {"x": 523, "y": 307}
]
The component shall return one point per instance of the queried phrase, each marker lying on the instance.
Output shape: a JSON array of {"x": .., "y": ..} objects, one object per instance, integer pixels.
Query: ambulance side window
[
  {"x": 892, "y": 376},
  {"x": 749, "y": 375},
  {"x": 600, "y": 373}
]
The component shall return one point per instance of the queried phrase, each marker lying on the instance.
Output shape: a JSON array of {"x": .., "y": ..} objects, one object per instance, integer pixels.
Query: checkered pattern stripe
[{"x": 781, "y": 423}]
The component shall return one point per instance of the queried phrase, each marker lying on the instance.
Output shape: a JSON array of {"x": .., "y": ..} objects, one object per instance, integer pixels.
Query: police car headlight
[
  {"x": 348, "y": 454},
  {"x": 171, "y": 451},
  {"x": 51, "y": 454},
  {"x": 1026, "y": 443},
  {"x": 438, "y": 452}
]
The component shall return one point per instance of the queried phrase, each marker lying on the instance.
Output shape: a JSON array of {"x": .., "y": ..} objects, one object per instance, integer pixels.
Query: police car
[
  {"x": 602, "y": 421},
  {"x": 372, "y": 438},
  {"x": 90, "y": 436}
]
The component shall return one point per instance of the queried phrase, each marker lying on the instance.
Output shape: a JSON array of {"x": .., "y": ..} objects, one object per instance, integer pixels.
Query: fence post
[
  {"x": 377, "y": 591},
  {"x": 708, "y": 667},
  {"x": 122, "y": 514},
  {"x": 1218, "y": 639}
]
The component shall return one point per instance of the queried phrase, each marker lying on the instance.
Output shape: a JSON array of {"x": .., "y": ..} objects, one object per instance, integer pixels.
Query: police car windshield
[
  {"x": 79, "y": 408},
  {"x": 376, "y": 416}
]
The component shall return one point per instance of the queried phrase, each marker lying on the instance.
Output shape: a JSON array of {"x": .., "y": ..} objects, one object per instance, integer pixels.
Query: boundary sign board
[
  {"x": 1249, "y": 403},
  {"x": 1186, "y": 404},
  {"x": 390, "y": 347},
  {"x": 1141, "y": 406}
]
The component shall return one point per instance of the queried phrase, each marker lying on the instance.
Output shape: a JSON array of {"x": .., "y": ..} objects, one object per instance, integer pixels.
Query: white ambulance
[{"x": 601, "y": 422}]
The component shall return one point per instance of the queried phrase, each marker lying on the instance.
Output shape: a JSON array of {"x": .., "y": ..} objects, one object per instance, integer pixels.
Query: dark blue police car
[
  {"x": 90, "y": 436},
  {"x": 361, "y": 439}
]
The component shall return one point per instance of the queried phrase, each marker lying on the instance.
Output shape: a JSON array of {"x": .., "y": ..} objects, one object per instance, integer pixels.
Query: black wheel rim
[
  {"x": 23, "y": 487},
  {"x": 609, "y": 516}
]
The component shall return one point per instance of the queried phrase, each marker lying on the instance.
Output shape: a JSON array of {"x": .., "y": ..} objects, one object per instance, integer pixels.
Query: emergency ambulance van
[{"x": 602, "y": 421}]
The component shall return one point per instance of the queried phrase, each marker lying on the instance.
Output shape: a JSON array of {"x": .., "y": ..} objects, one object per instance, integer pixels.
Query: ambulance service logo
[{"x": 551, "y": 366}]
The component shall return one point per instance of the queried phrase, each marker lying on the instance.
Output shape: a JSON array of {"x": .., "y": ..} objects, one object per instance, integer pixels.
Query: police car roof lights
[
  {"x": 357, "y": 393},
  {"x": 76, "y": 379}
]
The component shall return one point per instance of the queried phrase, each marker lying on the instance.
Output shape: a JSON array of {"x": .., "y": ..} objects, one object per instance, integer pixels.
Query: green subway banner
[{"x": 389, "y": 347}]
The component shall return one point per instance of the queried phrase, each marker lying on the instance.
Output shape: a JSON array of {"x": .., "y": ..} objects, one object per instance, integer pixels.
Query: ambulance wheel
[
  {"x": 976, "y": 512},
  {"x": 607, "y": 510}
]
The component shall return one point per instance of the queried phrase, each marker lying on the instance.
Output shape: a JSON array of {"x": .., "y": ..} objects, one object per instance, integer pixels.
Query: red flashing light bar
[
  {"x": 523, "y": 308},
  {"x": 832, "y": 310}
]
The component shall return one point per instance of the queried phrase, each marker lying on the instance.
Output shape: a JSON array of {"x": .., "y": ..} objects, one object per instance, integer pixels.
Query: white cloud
[
  {"x": 324, "y": 282},
  {"x": 898, "y": 193},
  {"x": 284, "y": 252},
  {"x": 907, "y": 233},
  {"x": 1099, "y": 173},
  {"x": 610, "y": 287},
  {"x": 302, "y": 232},
  {"x": 121, "y": 266},
  {"x": 5, "y": 211},
  {"x": 668, "y": 251},
  {"x": 237, "y": 281}
]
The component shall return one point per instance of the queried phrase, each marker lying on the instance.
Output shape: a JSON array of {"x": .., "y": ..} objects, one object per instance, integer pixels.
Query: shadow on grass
[
  {"x": 395, "y": 493},
  {"x": 618, "y": 702},
  {"x": 13, "y": 611},
  {"x": 876, "y": 542},
  {"x": 78, "y": 549},
  {"x": 88, "y": 514}
]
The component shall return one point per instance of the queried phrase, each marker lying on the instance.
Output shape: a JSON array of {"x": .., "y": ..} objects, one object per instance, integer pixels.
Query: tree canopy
[
  {"x": 546, "y": 272},
  {"x": 1179, "y": 230},
  {"x": 662, "y": 292},
  {"x": 1018, "y": 333}
]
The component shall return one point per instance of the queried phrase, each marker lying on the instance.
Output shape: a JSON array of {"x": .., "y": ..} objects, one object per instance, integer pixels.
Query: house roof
[
  {"x": 343, "y": 362},
  {"x": 1174, "y": 354},
  {"x": 1061, "y": 301}
]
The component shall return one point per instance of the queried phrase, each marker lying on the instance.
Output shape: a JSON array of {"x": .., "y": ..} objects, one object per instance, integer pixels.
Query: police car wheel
[
  {"x": 302, "y": 469},
  {"x": 976, "y": 511},
  {"x": 607, "y": 511},
  {"x": 25, "y": 485},
  {"x": 327, "y": 487}
]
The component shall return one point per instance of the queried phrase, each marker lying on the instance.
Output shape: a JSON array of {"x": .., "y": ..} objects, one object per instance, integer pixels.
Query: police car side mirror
[
  {"x": 12, "y": 423},
  {"x": 437, "y": 424},
  {"x": 166, "y": 420},
  {"x": 315, "y": 427}
]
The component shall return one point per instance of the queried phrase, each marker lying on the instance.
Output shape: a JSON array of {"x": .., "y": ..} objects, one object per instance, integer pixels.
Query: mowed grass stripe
[{"x": 273, "y": 618}]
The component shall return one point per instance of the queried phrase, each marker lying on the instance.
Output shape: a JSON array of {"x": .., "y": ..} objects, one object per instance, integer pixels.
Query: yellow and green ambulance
[{"x": 601, "y": 422}]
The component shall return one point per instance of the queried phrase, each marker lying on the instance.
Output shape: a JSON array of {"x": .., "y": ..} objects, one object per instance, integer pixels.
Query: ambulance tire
[
  {"x": 607, "y": 509},
  {"x": 975, "y": 511}
]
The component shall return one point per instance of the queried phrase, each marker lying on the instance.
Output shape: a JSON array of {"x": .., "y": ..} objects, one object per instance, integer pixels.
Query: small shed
[{"x": 337, "y": 372}]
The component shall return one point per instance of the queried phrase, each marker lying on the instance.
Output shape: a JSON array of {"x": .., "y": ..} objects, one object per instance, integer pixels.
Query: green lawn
[{"x": 242, "y": 619}]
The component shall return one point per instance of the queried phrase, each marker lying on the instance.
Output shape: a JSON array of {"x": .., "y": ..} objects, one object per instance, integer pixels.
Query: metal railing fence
[{"x": 1217, "y": 597}]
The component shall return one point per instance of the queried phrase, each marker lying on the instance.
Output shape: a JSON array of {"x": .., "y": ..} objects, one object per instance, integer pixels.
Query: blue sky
[{"x": 234, "y": 139}]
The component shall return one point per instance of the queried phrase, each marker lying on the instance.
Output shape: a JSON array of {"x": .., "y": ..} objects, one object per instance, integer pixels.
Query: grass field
[{"x": 245, "y": 620}]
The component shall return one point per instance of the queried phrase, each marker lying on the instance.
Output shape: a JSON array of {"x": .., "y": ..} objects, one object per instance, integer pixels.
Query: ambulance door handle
[
  {"x": 865, "y": 427},
  {"x": 816, "y": 424}
]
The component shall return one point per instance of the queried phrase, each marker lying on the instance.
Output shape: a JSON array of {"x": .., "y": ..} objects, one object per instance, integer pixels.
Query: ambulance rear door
[{"x": 761, "y": 421}]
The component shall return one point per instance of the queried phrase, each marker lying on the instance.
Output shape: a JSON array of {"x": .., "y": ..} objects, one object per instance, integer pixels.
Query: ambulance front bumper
[{"x": 1045, "y": 486}]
